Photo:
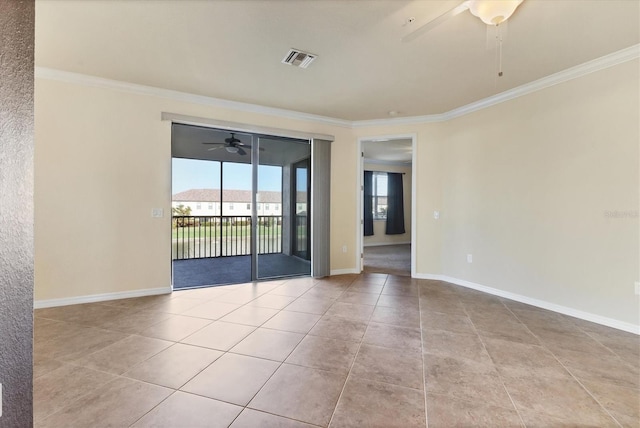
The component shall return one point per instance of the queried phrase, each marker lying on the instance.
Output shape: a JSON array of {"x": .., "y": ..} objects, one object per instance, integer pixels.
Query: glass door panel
[
  {"x": 275, "y": 213},
  {"x": 301, "y": 236}
]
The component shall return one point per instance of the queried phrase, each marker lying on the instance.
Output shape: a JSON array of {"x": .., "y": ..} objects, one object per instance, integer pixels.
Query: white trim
[
  {"x": 385, "y": 244},
  {"x": 606, "y": 61},
  {"x": 409, "y": 120},
  {"x": 134, "y": 88},
  {"x": 92, "y": 298},
  {"x": 578, "y": 71},
  {"x": 343, "y": 272},
  {"x": 359, "y": 221},
  {"x": 414, "y": 204},
  {"x": 576, "y": 313},
  {"x": 433, "y": 277}
]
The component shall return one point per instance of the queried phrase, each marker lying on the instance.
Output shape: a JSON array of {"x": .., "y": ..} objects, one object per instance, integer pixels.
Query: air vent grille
[{"x": 298, "y": 58}]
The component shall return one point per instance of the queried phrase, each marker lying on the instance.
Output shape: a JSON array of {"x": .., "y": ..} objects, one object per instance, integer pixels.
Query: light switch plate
[
  {"x": 157, "y": 212},
  {"x": 436, "y": 215},
  {"x": 469, "y": 258}
]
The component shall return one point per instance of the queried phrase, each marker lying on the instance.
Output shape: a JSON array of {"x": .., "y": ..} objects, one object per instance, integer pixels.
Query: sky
[{"x": 198, "y": 174}]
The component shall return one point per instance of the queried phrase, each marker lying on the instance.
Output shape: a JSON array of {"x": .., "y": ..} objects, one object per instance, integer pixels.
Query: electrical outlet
[
  {"x": 157, "y": 212},
  {"x": 638, "y": 288},
  {"x": 344, "y": 248},
  {"x": 436, "y": 215},
  {"x": 469, "y": 258}
]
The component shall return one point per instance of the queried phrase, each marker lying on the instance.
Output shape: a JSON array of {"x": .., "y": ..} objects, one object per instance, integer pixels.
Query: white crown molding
[
  {"x": 93, "y": 298},
  {"x": 610, "y": 60},
  {"x": 576, "y": 313},
  {"x": 395, "y": 121},
  {"x": 134, "y": 88}
]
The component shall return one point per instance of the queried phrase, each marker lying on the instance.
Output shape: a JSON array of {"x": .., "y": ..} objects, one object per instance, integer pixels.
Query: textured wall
[{"x": 16, "y": 211}]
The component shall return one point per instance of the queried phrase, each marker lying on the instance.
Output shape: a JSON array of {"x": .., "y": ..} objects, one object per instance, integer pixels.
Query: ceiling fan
[
  {"x": 494, "y": 13},
  {"x": 231, "y": 145},
  {"x": 491, "y": 12}
]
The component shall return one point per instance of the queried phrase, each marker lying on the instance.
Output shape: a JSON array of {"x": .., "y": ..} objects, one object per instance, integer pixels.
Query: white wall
[
  {"x": 527, "y": 186},
  {"x": 379, "y": 226},
  {"x": 103, "y": 161},
  {"x": 523, "y": 185}
]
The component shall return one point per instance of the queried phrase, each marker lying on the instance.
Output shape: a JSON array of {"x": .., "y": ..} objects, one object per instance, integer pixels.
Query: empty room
[{"x": 507, "y": 291}]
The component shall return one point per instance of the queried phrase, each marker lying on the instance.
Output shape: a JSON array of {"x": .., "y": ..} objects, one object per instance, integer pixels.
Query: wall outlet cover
[{"x": 469, "y": 258}]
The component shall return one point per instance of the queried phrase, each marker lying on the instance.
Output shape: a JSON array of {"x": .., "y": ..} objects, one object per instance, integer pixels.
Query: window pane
[
  {"x": 379, "y": 205},
  {"x": 381, "y": 184}
]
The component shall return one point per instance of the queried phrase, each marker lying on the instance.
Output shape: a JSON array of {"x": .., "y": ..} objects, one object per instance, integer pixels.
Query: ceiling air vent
[{"x": 298, "y": 58}]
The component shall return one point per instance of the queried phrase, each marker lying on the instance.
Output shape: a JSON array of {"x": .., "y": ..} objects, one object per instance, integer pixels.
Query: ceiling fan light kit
[{"x": 493, "y": 12}]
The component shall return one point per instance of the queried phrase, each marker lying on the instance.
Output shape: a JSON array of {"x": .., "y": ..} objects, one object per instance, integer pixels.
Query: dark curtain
[
  {"x": 395, "y": 204},
  {"x": 368, "y": 203}
]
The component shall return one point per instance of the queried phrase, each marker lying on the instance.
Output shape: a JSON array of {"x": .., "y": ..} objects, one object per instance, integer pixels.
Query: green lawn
[{"x": 214, "y": 232}]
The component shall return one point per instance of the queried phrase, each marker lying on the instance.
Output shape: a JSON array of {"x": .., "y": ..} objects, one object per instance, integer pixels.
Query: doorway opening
[
  {"x": 240, "y": 207},
  {"x": 386, "y": 205}
]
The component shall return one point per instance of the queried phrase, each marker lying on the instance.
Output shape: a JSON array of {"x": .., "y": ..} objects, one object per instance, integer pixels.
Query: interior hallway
[
  {"x": 364, "y": 350},
  {"x": 389, "y": 259}
]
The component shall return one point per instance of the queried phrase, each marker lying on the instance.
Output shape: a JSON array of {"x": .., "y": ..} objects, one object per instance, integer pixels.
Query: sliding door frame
[{"x": 320, "y": 188}]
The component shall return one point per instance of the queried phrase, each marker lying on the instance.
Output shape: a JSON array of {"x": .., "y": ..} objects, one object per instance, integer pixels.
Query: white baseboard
[
  {"x": 383, "y": 244},
  {"x": 576, "y": 313},
  {"x": 93, "y": 298},
  {"x": 426, "y": 276},
  {"x": 343, "y": 271}
]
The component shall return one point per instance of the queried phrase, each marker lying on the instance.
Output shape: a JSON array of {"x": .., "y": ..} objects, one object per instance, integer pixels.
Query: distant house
[{"x": 233, "y": 202}]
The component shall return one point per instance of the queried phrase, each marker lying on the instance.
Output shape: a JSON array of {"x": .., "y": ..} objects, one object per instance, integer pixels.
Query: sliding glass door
[
  {"x": 301, "y": 235},
  {"x": 281, "y": 229},
  {"x": 240, "y": 207}
]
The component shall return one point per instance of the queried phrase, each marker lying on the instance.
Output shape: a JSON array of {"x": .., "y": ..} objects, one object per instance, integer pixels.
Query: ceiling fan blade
[
  {"x": 241, "y": 151},
  {"x": 220, "y": 144},
  {"x": 435, "y": 22},
  {"x": 214, "y": 148},
  {"x": 248, "y": 146}
]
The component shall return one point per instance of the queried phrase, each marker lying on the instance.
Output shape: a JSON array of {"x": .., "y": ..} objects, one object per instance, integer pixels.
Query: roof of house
[{"x": 230, "y": 195}]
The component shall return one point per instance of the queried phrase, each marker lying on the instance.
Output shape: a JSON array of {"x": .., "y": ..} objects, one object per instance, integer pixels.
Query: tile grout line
[
  {"x": 355, "y": 357},
  {"x": 566, "y": 368},
  {"x": 223, "y": 354},
  {"x": 285, "y": 358},
  {"x": 622, "y": 360},
  {"x": 122, "y": 376},
  {"x": 484, "y": 346},
  {"x": 424, "y": 374}
]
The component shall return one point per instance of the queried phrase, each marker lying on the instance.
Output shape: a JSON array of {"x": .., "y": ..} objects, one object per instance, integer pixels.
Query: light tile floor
[{"x": 365, "y": 350}]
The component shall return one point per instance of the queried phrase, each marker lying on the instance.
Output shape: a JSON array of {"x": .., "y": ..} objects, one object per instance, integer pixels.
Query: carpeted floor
[
  {"x": 389, "y": 259},
  {"x": 235, "y": 270}
]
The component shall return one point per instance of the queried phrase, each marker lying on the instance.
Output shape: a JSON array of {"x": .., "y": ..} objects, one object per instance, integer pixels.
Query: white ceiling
[
  {"x": 232, "y": 49},
  {"x": 398, "y": 151}
]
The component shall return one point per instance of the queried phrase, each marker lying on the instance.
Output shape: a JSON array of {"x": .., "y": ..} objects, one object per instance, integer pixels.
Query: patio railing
[{"x": 198, "y": 237}]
